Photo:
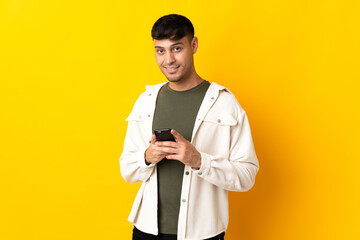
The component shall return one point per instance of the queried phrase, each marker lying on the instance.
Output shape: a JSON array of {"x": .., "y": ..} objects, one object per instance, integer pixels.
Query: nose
[{"x": 169, "y": 59}]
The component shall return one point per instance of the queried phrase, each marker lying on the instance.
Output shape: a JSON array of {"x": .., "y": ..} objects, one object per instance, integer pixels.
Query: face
[{"x": 175, "y": 58}]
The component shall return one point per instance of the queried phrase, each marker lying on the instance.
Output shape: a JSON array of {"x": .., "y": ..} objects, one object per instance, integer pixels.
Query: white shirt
[{"x": 228, "y": 163}]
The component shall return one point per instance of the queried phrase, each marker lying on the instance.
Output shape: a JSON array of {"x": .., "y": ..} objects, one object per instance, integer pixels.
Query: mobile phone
[{"x": 164, "y": 135}]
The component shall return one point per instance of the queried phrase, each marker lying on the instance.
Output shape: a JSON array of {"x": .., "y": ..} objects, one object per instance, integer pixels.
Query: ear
[{"x": 194, "y": 44}]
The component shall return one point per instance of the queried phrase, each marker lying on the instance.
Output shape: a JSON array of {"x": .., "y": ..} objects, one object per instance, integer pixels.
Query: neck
[{"x": 186, "y": 83}]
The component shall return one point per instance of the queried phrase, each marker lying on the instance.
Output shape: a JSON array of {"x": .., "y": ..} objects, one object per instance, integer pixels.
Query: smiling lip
[{"x": 171, "y": 69}]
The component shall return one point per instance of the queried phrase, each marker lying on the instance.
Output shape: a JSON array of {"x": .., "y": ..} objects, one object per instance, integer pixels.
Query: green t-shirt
[{"x": 175, "y": 110}]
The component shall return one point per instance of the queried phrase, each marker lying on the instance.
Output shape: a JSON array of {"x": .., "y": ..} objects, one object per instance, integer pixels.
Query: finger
[
  {"x": 173, "y": 157},
  {"x": 167, "y": 150},
  {"x": 166, "y": 144},
  {"x": 153, "y": 139},
  {"x": 178, "y": 136},
  {"x": 159, "y": 154}
]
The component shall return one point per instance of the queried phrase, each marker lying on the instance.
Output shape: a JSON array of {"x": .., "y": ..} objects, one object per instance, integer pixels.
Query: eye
[
  {"x": 177, "y": 49},
  {"x": 160, "y": 51}
]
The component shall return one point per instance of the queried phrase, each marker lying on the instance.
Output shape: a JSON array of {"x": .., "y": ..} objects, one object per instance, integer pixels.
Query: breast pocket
[
  {"x": 220, "y": 119},
  {"x": 136, "y": 116},
  {"x": 140, "y": 125},
  {"x": 215, "y": 132}
]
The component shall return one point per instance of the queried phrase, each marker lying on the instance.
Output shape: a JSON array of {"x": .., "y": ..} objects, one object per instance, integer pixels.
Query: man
[{"x": 184, "y": 183}]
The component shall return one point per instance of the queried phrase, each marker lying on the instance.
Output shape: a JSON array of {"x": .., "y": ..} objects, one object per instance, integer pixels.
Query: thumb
[
  {"x": 178, "y": 136},
  {"x": 153, "y": 139}
]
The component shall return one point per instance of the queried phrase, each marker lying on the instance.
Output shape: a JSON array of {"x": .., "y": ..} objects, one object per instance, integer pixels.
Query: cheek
[
  {"x": 181, "y": 59},
  {"x": 187, "y": 58},
  {"x": 158, "y": 60}
]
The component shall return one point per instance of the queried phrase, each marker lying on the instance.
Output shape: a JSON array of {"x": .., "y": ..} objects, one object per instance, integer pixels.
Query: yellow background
[{"x": 70, "y": 72}]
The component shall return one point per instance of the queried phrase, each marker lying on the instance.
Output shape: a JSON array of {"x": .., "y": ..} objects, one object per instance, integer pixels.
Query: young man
[{"x": 185, "y": 184}]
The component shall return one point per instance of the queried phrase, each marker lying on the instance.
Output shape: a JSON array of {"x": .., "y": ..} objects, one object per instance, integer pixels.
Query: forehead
[{"x": 164, "y": 43}]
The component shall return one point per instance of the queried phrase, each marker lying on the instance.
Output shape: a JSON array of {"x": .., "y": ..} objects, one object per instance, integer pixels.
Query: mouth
[{"x": 172, "y": 69}]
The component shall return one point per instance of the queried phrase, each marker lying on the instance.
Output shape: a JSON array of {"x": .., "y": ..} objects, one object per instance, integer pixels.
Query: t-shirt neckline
[{"x": 188, "y": 90}]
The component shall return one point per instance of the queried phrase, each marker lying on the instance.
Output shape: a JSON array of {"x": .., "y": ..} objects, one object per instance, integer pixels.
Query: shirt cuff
[
  {"x": 141, "y": 160},
  {"x": 205, "y": 165}
]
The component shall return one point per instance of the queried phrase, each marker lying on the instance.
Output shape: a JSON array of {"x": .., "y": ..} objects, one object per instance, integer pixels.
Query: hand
[
  {"x": 181, "y": 150},
  {"x": 152, "y": 155}
]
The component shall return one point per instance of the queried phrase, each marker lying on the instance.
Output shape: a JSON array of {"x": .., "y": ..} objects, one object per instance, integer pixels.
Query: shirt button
[
  {"x": 219, "y": 121},
  {"x": 187, "y": 173},
  {"x": 149, "y": 115},
  {"x": 149, "y": 94},
  {"x": 183, "y": 200},
  {"x": 200, "y": 173},
  {"x": 140, "y": 117}
]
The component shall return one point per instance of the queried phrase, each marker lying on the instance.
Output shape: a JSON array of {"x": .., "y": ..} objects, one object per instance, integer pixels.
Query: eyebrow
[{"x": 174, "y": 44}]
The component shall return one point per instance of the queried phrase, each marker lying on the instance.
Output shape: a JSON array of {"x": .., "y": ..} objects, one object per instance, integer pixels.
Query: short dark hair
[{"x": 172, "y": 26}]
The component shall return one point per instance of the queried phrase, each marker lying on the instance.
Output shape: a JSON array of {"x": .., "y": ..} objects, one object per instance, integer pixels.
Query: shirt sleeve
[{"x": 132, "y": 161}]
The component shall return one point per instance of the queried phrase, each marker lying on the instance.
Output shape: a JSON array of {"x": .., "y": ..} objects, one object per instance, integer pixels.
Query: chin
[{"x": 173, "y": 79}]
